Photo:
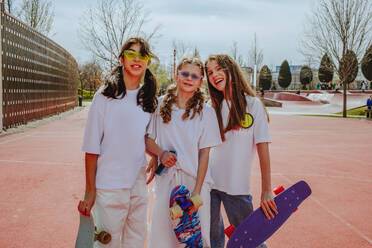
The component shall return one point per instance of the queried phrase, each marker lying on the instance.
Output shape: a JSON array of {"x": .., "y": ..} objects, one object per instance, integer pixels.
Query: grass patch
[
  {"x": 355, "y": 111},
  {"x": 338, "y": 116}
]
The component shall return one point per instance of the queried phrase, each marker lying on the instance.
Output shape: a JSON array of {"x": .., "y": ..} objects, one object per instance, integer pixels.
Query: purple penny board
[
  {"x": 187, "y": 228},
  {"x": 256, "y": 228}
]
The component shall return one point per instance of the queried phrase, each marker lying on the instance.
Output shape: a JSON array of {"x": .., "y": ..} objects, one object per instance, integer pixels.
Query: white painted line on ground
[
  {"x": 16, "y": 139},
  {"x": 353, "y": 228},
  {"x": 36, "y": 162},
  {"x": 365, "y": 180},
  {"x": 58, "y": 136},
  {"x": 342, "y": 220}
]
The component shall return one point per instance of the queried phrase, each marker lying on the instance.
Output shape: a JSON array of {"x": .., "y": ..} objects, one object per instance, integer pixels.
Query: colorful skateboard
[
  {"x": 256, "y": 228},
  {"x": 87, "y": 233},
  {"x": 186, "y": 226}
]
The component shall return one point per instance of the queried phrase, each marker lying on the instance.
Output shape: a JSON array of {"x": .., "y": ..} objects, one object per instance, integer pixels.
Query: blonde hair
[{"x": 195, "y": 103}]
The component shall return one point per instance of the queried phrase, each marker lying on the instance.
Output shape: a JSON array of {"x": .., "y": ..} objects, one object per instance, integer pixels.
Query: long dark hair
[
  {"x": 236, "y": 88},
  {"x": 115, "y": 86}
]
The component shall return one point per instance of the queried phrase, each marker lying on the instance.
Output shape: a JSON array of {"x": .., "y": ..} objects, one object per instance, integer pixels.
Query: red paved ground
[{"x": 42, "y": 178}]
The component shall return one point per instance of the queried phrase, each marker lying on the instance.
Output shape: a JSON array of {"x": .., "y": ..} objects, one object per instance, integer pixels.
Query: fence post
[{"x": 1, "y": 66}]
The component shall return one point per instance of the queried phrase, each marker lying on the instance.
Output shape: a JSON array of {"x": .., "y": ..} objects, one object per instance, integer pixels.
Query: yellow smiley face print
[{"x": 247, "y": 122}]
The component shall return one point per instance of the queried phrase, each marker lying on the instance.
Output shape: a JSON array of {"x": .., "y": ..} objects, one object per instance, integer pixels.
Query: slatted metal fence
[{"x": 39, "y": 77}]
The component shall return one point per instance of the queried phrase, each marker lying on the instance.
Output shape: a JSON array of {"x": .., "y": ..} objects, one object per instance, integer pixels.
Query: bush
[{"x": 86, "y": 94}]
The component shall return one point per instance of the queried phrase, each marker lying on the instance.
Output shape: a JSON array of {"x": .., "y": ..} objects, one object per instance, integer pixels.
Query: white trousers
[
  {"x": 161, "y": 231},
  {"x": 123, "y": 214}
]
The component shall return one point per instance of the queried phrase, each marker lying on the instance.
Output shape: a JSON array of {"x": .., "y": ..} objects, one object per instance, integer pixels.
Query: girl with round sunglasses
[
  {"x": 243, "y": 125},
  {"x": 114, "y": 148},
  {"x": 184, "y": 124}
]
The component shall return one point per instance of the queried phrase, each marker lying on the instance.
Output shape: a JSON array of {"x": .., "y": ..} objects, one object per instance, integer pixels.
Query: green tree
[
  {"x": 306, "y": 76},
  {"x": 325, "y": 73},
  {"x": 285, "y": 75},
  {"x": 265, "y": 78},
  {"x": 367, "y": 64}
]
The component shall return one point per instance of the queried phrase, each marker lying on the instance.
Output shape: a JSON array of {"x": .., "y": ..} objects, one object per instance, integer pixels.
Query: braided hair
[{"x": 195, "y": 103}]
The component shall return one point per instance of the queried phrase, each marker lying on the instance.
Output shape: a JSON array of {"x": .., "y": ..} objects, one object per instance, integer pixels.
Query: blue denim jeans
[{"x": 237, "y": 207}]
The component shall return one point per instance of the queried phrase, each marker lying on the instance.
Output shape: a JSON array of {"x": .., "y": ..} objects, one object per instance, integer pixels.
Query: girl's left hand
[
  {"x": 151, "y": 169},
  {"x": 268, "y": 204}
]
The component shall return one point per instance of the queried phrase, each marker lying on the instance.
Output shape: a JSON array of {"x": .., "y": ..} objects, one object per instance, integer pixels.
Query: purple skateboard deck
[
  {"x": 187, "y": 227},
  {"x": 256, "y": 228}
]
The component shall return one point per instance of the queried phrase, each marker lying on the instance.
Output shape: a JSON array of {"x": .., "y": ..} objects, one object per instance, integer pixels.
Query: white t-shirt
[
  {"x": 116, "y": 130},
  {"x": 186, "y": 137},
  {"x": 231, "y": 162}
]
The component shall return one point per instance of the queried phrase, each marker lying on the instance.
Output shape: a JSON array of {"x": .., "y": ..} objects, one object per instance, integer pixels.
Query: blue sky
[{"x": 211, "y": 26}]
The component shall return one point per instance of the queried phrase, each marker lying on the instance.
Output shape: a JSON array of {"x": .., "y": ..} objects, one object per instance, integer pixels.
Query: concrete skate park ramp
[
  {"x": 271, "y": 103},
  {"x": 353, "y": 100},
  {"x": 317, "y": 103},
  {"x": 286, "y": 96}
]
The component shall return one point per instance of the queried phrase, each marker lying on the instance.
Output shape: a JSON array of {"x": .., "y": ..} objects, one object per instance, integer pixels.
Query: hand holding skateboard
[
  {"x": 268, "y": 205},
  {"x": 87, "y": 233},
  {"x": 86, "y": 205},
  {"x": 257, "y": 228},
  {"x": 185, "y": 204}
]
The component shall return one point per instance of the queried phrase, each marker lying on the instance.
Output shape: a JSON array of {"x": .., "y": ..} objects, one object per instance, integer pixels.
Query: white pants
[
  {"x": 123, "y": 214},
  {"x": 161, "y": 231}
]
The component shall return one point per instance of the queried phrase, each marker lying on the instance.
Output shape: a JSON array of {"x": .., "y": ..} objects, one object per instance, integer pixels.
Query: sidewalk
[{"x": 42, "y": 179}]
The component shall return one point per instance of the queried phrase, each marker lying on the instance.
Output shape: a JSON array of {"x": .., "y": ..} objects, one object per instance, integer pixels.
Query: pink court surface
[{"x": 42, "y": 178}]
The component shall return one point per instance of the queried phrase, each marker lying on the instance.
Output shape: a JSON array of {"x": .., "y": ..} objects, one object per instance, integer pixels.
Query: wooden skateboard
[
  {"x": 256, "y": 228},
  {"x": 87, "y": 233},
  {"x": 186, "y": 226}
]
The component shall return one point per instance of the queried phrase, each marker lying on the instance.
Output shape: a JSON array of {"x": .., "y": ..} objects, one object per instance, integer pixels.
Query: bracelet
[{"x": 161, "y": 155}]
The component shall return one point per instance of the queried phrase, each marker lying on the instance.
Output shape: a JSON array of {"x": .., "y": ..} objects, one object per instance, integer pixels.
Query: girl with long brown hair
[
  {"x": 243, "y": 125},
  {"x": 185, "y": 124},
  {"x": 114, "y": 148}
]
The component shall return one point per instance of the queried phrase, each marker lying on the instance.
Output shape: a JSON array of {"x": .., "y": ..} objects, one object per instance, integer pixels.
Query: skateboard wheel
[
  {"x": 278, "y": 190},
  {"x": 175, "y": 211},
  {"x": 103, "y": 237},
  {"x": 229, "y": 230},
  {"x": 197, "y": 201}
]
